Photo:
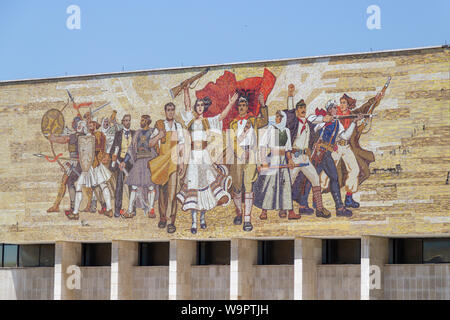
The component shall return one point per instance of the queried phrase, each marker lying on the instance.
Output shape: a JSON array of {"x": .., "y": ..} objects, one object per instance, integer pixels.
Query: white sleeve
[
  {"x": 215, "y": 123},
  {"x": 345, "y": 135},
  {"x": 288, "y": 146},
  {"x": 315, "y": 119},
  {"x": 264, "y": 141},
  {"x": 180, "y": 135},
  {"x": 290, "y": 103},
  {"x": 187, "y": 116},
  {"x": 154, "y": 133}
]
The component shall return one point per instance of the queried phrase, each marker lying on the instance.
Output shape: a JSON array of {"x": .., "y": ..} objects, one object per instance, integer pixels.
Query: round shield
[{"x": 52, "y": 122}]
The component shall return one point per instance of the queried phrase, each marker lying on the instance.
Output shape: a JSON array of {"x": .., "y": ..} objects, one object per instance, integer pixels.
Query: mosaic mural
[{"x": 341, "y": 146}]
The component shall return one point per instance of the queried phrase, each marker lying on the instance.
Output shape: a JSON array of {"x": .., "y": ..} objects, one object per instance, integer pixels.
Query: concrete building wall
[
  {"x": 273, "y": 282},
  {"x": 150, "y": 283},
  {"x": 417, "y": 282},
  {"x": 95, "y": 283},
  {"x": 339, "y": 282},
  {"x": 210, "y": 282},
  {"x": 26, "y": 283}
]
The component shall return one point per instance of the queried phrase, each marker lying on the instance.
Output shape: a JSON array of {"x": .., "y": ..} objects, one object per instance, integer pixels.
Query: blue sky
[{"x": 136, "y": 35}]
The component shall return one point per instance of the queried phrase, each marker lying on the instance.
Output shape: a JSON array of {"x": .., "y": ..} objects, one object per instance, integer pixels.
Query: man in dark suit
[
  {"x": 122, "y": 140},
  {"x": 302, "y": 139}
]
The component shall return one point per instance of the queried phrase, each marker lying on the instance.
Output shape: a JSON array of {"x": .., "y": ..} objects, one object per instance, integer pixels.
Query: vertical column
[
  {"x": 374, "y": 255},
  {"x": 124, "y": 257},
  {"x": 307, "y": 255},
  {"x": 244, "y": 254},
  {"x": 66, "y": 254},
  {"x": 182, "y": 257}
]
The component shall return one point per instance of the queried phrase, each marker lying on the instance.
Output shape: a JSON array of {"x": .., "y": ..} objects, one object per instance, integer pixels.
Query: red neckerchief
[
  {"x": 345, "y": 122},
  {"x": 303, "y": 123},
  {"x": 239, "y": 118}
]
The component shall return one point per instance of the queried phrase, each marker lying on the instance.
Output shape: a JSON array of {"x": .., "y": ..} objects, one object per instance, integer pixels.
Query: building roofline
[{"x": 158, "y": 70}]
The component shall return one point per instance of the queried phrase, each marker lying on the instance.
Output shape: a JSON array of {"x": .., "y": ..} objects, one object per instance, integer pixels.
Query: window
[
  {"x": 275, "y": 252},
  {"x": 27, "y": 255},
  {"x": 341, "y": 251},
  {"x": 213, "y": 252},
  {"x": 10, "y": 255},
  {"x": 154, "y": 254},
  {"x": 418, "y": 251},
  {"x": 96, "y": 255}
]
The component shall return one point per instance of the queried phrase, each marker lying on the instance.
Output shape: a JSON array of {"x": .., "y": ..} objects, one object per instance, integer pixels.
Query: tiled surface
[
  {"x": 417, "y": 282},
  {"x": 95, "y": 283},
  {"x": 26, "y": 284},
  {"x": 210, "y": 282},
  {"x": 150, "y": 283},
  {"x": 273, "y": 282},
  {"x": 411, "y": 130},
  {"x": 339, "y": 282}
]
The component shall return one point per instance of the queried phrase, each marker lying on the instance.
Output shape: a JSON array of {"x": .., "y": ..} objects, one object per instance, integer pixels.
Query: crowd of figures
[{"x": 265, "y": 162}]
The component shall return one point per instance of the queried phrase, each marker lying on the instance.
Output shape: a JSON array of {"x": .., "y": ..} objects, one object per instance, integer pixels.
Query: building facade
[{"x": 391, "y": 166}]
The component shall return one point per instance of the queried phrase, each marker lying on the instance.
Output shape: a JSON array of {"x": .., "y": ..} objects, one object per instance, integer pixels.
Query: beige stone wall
[
  {"x": 339, "y": 282},
  {"x": 411, "y": 129},
  {"x": 150, "y": 283},
  {"x": 417, "y": 282},
  {"x": 95, "y": 283},
  {"x": 26, "y": 283},
  {"x": 210, "y": 282},
  {"x": 273, "y": 282}
]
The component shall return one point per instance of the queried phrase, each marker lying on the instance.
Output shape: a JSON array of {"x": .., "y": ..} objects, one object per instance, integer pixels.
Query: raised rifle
[{"x": 175, "y": 91}]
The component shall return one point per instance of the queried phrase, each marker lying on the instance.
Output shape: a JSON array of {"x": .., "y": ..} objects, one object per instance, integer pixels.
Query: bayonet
[{"x": 99, "y": 108}]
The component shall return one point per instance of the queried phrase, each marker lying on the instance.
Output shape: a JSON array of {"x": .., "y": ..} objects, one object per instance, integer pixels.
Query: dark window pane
[
  {"x": 213, "y": 253},
  {"x": 154, "y": 254},
  {"x": 275, "y": 252},
  {"x": 47, "y": 255},
  {"x": 342, "y": 251},
  {"x": 10, "y": 255},
  {"x": 96, "y": 254},
  {"x": 408, "y": 251},
  {"x": 1, "y": 255},
  {"x": 29, "y": 255},
  {"x": 436, "y": 251}
]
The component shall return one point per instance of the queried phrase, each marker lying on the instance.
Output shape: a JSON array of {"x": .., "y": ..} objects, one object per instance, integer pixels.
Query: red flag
[{"x": 226, "y": 85}]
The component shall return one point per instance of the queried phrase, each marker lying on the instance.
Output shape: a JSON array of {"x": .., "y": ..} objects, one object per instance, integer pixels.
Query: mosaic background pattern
[{"x": 411, "y": 132}]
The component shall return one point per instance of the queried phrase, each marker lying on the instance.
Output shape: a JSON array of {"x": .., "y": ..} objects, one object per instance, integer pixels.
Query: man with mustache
[
  {"x": 119, "y": 149},
  {"x": 140, "y": 152},
  {"x": 302, "y": 137}
]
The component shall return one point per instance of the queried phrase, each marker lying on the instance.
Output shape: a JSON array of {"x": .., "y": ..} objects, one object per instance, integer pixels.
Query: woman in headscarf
[{"x": 272, "y": 189}]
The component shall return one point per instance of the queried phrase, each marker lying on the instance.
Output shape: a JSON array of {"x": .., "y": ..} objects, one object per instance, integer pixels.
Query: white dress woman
[
  {"x": 272, "y": 189},
  {"x": 206, "y": 183}
]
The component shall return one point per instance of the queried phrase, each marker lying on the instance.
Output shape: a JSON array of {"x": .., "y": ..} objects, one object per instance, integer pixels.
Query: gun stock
[{"x": 175, "y": 91}]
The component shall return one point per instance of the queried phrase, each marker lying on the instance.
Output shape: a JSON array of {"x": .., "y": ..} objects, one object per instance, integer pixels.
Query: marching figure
[
  {"x": 119, "y": 149},
  {"x": 167, "y": 168},
  {"x": 330, "y": 130},
  {"x": 72, "y": 166},
  {"x": 272, "y": 189},
  {"x": 206, "y": 183},
  {"x": 243, "y": 169},
  {"x": 140, "y": 152},
  {"x": 302, "y": 135},
  {"x": 97, "y": 174},
  {"x": 354, "y": 167}
]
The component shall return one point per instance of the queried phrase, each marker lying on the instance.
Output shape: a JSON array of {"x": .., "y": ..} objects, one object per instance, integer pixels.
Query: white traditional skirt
[
  {"x": 94, "y": 176},
  {"x": 204, "y": 184}
]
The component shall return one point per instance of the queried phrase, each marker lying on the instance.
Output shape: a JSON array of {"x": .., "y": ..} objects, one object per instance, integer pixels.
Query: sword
[
  {"x": 40, "y": 155},
  {"x": 100, "y": 108},
  {"x": 283, "y": 166}
]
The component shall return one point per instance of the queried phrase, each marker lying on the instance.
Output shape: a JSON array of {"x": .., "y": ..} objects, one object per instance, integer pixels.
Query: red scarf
[
  {"x": 239, "y": 118},
  {"x": 345, "y": 122},
  {"x": 303, "y": 123}
]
